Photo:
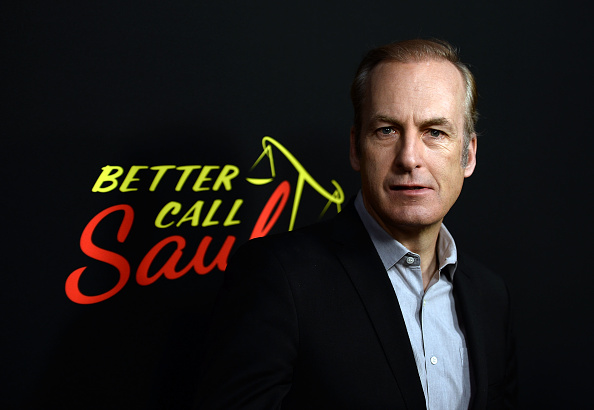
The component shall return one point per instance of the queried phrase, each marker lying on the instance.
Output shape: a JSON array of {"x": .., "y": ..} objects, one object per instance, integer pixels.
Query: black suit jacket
[{"x": 309, "y": 319}]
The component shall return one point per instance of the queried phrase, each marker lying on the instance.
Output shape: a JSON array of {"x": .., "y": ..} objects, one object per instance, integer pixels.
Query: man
[{"x": 376, "y": 308}]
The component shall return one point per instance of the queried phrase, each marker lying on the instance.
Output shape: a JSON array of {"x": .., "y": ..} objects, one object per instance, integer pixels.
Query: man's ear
[
  {"x": 471, "y": 164},
  {"x": 354, "y": 152}
]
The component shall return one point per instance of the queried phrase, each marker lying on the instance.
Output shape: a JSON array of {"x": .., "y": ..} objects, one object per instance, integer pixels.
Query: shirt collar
[{"x": 391, "y": 251}]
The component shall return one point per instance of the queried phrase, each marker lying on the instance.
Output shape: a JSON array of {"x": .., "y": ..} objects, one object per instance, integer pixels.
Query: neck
[
  {"x": 421, "y": 240},
  {"x": 424, "y": 243}
]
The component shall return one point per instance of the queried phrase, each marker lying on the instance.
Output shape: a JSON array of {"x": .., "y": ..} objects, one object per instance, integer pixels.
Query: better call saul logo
[{"x": 164, "y": 258}]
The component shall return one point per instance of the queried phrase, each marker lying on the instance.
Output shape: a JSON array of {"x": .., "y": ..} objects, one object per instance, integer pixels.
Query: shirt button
[
  {"x": 410, "y": 260},
  {"x": 433, "y": 360}
]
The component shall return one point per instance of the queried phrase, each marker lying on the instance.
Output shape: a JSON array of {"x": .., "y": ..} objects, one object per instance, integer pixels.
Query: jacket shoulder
[{"x": 477, "y": 271}]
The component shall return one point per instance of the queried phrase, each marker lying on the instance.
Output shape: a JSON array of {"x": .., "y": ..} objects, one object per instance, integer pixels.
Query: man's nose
[{"x": 409, "y": 152}]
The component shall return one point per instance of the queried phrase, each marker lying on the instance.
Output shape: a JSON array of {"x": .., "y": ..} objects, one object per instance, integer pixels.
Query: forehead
[{"x": 425, "y": 89}]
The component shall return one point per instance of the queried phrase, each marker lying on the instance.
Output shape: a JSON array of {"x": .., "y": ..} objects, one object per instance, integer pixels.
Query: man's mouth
[{"x": 402, "y": 188}]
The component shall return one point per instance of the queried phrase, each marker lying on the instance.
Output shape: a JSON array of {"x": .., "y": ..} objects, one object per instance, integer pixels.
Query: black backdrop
[{"x": 85, "y": 85}]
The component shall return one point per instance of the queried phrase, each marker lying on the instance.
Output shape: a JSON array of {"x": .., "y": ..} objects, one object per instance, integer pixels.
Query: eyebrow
[{"x": 436, "y": 121}]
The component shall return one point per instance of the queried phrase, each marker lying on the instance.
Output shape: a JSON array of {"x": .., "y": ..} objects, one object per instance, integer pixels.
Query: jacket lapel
[
  {"x": 362, "y": 263},
  {"x": 468, "y": 302}
]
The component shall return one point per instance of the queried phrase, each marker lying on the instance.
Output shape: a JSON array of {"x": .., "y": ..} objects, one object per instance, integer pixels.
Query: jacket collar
[
  {"x": 468, "y": 302},
  {"x": 360, "y": 260}
]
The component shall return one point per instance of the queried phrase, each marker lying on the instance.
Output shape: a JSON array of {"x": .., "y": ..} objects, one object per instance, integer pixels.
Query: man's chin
[{"x": 410, "y": 221}]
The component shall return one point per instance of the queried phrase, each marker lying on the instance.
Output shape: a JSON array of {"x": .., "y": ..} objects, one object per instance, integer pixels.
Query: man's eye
[
  {"x": 385, "y": 130},
  {"x": 435, "y": 133}
]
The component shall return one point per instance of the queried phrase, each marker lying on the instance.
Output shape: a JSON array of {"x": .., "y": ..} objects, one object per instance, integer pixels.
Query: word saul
[{"x": 169, "y": 269}]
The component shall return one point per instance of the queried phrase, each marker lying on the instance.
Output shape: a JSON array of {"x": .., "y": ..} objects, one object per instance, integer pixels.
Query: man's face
[{"x": 412, "y": 134}]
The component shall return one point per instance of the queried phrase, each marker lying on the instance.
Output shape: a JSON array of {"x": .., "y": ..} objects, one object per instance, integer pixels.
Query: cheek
[
  {"x": 367, "y": 160},
  {"x": 454, "y": 180},
  {"x": 449, "y": 174},
  {"x": 375, "y": 168},
  {"x": 379, "y": 158}
]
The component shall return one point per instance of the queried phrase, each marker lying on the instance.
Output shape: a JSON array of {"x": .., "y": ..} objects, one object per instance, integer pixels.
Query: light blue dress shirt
[{"x": 430, "y": 316}]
